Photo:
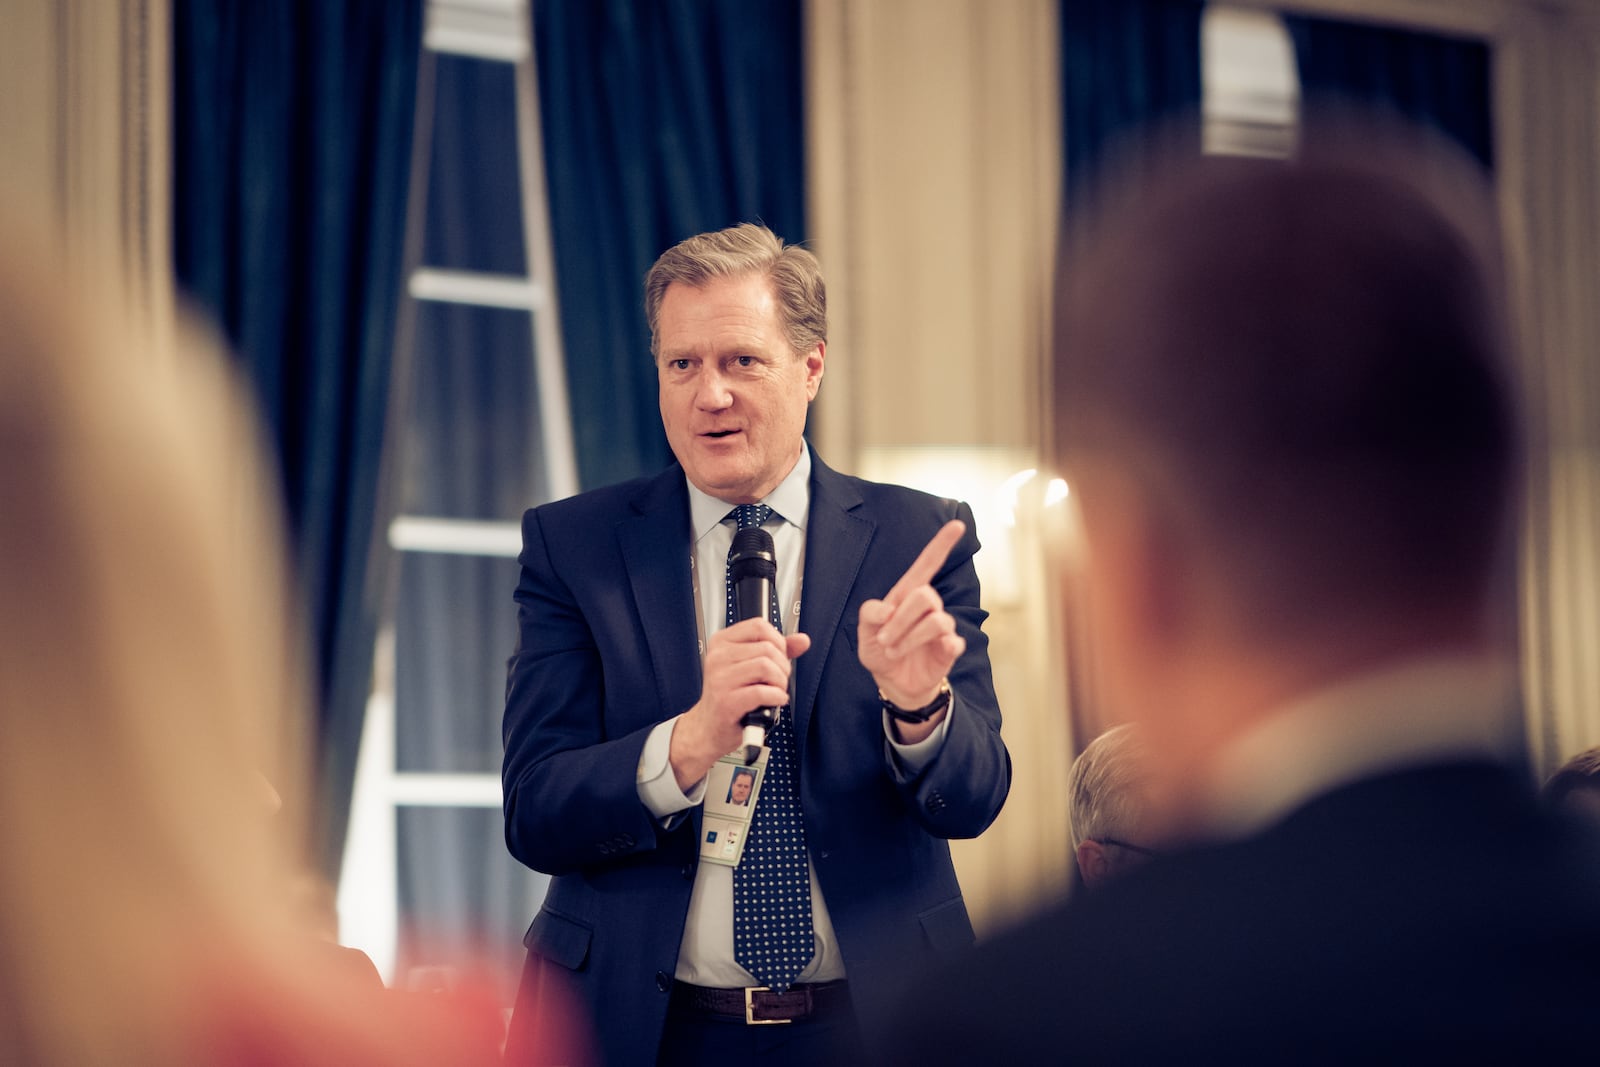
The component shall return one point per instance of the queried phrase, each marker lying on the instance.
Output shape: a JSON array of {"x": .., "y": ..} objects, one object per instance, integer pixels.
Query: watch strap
[{"x": 940, "y": 701}]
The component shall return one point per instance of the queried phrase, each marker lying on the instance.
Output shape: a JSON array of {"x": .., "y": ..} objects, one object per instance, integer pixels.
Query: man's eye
[
  {"x": 746, "y": 361},
  {"x": 678, "y": 364}
]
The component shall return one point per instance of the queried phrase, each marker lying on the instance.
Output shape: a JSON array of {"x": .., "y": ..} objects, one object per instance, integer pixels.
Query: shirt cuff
[
  {"x": 913, "y": 758},
  {"x": 657, "y": 785}
]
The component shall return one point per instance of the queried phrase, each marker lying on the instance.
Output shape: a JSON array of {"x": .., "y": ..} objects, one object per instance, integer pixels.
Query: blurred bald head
[{"x": 1299, "y": 368}]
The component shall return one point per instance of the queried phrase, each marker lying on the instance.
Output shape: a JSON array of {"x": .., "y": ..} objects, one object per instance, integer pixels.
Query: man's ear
[
  {"x": 814, "y": 360},
  {"x": 1093, "y": 863}
]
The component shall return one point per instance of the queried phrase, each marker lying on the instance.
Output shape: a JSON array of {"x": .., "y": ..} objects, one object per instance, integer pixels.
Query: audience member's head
[
  {"x": 1575, "y": 787},
  {"x": 1284, "y": 406},
  {"x": 1106, "y": 793},
  {"x": 147, "y": 685}
]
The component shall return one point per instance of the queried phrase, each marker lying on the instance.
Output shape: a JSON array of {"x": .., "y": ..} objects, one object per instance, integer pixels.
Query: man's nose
[{"x": 711, "y": 391}]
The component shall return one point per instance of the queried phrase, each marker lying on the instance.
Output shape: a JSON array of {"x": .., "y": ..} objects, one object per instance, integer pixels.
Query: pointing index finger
[{"x": 928, "y": 561}]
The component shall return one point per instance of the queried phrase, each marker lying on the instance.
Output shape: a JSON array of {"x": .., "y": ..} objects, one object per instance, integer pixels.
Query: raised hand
[{"x": 907, "y": 640}]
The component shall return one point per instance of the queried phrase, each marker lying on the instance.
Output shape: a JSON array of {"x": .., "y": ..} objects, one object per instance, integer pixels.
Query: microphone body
[{"x": 753, "y": 573}]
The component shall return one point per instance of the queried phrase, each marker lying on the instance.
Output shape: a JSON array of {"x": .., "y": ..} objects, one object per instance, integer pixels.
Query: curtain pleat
[
  {"x": 292, "y": 131},
  {"x": 1438, "y": 81},
  {"x": 1125, "y": 65}
]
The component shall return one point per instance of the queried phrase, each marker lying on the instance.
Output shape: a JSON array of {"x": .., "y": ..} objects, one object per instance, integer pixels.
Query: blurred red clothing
[{"x": 341, "y": 1019}]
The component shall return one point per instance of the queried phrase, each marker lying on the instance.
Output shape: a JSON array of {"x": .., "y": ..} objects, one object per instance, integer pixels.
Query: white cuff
[{"x": 658, "y": 786}]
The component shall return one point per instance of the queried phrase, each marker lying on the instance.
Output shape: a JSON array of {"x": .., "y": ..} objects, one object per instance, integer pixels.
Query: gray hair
[
  {"x": 1106, "y": 787},
  {"x": 737, "y": 251},
  {"x": 1580, "y": 772}
]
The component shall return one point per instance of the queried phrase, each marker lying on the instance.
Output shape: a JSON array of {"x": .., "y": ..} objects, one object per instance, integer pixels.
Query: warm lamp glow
[
  {"x": 1009, "y": 490},
  {"x": 990, "y": 479}
]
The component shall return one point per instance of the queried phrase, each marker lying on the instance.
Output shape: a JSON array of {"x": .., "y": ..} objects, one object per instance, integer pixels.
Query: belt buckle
[{"x": 750, "y": 1007}]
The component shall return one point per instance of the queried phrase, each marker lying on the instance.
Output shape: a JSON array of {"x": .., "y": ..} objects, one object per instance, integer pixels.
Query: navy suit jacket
[
  {"x": 1430, "y": 915},
  {"x": 608, "y": 649}
]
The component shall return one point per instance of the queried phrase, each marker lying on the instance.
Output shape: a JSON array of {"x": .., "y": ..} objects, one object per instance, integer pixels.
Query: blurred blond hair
[{"x": 149, "y": 682}]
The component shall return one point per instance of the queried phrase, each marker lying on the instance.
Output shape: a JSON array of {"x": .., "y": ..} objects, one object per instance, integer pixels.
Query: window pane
[
  {"x": 464, "y": 902},
  {"x": 474, "y": 219},
  {"x": 454, "y": 630},
  {"x": 470, "y": 437},
  {"x": 1251, "y": 90}
]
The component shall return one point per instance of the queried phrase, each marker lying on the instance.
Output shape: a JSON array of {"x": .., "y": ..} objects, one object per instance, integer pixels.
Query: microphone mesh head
[{"x": 752, "y": 555}]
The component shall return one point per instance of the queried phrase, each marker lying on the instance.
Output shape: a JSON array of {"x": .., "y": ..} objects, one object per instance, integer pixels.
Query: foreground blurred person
[
  {"x": 1284, "y": 407},
  {"x": 146, "y": 689}
]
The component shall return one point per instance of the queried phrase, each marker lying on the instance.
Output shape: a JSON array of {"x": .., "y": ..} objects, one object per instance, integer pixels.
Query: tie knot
[{"x": 748, "y": 515}]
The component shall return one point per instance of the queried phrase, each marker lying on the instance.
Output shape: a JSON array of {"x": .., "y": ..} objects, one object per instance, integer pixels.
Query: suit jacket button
[
  {"x": 605, "y": 848},
  {"x": 688, "y": 870},
  {"x": 663, "y": 981},
  {"x": 627, "y": 840}
]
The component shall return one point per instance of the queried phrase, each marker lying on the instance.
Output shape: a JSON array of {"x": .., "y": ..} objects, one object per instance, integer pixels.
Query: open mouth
[{"x": 719, "y": 434}]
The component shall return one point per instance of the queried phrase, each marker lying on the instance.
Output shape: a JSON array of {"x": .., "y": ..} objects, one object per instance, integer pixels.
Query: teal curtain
[
  {"x": 1125, "y": 65},
  {"x": 662, "y": 119},
  {"x": 292, "y": 130},
  {"x": 1438, "y": 81}
]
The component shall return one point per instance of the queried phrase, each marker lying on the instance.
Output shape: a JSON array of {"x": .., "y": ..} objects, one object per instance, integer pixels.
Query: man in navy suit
[
  {"x": 627, "y": 689},
  {"x": 1285, "y": 408}
]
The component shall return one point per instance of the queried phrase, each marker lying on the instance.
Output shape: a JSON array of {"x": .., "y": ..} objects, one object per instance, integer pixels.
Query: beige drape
[
  {"x": 934, "y": 150},
  {"x": 84, "y": 120},
  {"x": 1548, "y": 125}
]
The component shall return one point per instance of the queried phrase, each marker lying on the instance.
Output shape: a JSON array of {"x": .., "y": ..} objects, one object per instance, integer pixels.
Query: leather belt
[{"x": 756, "y": 1005}]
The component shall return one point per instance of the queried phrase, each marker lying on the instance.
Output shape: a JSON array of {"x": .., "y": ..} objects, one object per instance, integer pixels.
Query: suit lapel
[
  {"x": 837, "y": 536},
  {"x": 655, "y": 547}
]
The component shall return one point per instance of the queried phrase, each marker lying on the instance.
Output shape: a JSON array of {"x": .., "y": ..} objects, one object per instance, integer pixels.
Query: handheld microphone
[{"x": 753, "y": 572}]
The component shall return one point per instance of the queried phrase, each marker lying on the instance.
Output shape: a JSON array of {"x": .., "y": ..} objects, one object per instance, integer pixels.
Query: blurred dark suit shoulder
[{"x": 1432, "y": 914}]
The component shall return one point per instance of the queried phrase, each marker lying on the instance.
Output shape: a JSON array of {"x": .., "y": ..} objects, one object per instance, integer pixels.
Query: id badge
[{"x": 731, "y": 792}]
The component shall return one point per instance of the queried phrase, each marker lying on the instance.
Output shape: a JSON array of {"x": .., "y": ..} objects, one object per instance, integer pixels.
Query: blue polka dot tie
[{"x": 772, "y": 935}]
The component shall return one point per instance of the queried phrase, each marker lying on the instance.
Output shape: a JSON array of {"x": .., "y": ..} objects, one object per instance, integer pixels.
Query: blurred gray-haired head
[{"x": 1106, "y": 788}]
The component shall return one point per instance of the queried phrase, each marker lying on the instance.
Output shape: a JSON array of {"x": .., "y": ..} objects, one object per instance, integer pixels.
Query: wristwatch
[{"x": 940, "y": 701}]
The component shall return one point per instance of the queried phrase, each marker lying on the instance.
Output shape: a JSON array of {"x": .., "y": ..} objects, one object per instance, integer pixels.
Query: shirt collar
[
  {"x": 1421, "y": 711},
  {"x": 791, "y": 499}
]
